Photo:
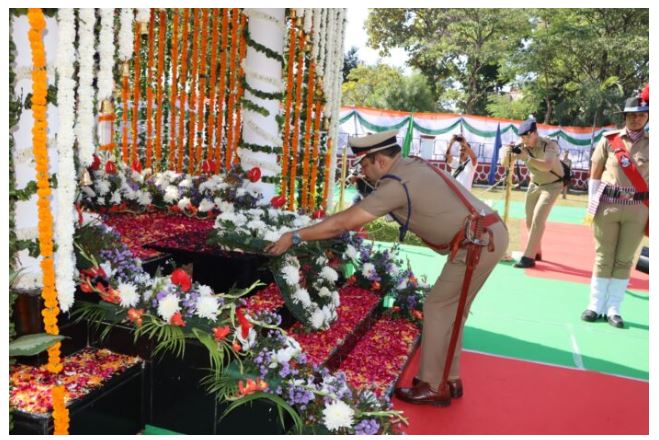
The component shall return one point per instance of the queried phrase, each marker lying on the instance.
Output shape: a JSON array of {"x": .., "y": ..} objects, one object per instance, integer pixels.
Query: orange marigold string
[
  {"x": 314, "y": 156},
  {"x": 136, "y": 90},
  {"x": 183, "y": 98},
  {"x": 232, "y": 85},
  {"x": 239, "y": 93},
  {"x": 327, "y": 164},
  {"x": 295, "y": 148},
  {"x": 193, "y": 89},
  {"x": 173, "y": 96},
  {"x": 40, "y": 150},
  {"x": 149, "y": 92},
  {"x": 162, "y": 23},
  {"x": 60, "y": 412},
  {"x": 287, "y": 105},
  {"x": 202, "y": 88},
  {"x": 210, "y": 122},
  {"x": 222, "y": 87},
  {"x": 307, "y": 136}
]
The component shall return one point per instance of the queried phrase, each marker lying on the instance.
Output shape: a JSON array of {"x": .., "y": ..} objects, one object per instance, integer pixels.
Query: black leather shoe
[
  {"x": 616, "y": 321},
  {"x": 422, "y": 394},
  {"x": 538, "y": 256},
  {"x": 525, "y": 263},
  {"x": 454, "y": 385},
  {"x": 589, "y": 315}
]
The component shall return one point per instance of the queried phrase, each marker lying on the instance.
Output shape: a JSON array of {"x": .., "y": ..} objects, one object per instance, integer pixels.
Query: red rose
[
  {"x": 319, "y": 213},
  {"x": 278, "y": 201},
  {"x": 208, "y": 167},
  {"x": 181, "y": 278},
  {"x": 375, "y": 285},
  {"x": 177, "y": 320},
  {"x": 110, "y": 167},
  {"x": 254, "y": 174},
  {"x": 221, "y": 332},
  {"x": 137, "y": 166},
  {"x": 96, "y": 163}
]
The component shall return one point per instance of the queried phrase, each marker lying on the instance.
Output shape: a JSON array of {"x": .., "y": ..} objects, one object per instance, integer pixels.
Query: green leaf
[{"x": 30, "y": 345}]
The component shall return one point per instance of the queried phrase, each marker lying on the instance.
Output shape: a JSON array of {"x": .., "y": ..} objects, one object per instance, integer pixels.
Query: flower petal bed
[
  {"x": 356, "y": 304},
  {"x": 83, "y": 372},
  {"x": 265, "y": 300},
  {"x": 379, "y": 357}
]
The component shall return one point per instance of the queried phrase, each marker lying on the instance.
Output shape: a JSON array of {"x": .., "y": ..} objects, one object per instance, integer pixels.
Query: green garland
[
  {"x": 259, "y": 148},
  {"x": 271, "y": 179},
  {"x": 250, "y": 105},
  {"x": 261, "y": 94},
  {"x": 263, "y": 49}
]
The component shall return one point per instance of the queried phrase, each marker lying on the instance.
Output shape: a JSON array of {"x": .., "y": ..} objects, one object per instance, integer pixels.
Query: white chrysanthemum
[
  {"x": 88, "y": 191},
  {"x": 144, "y": 198},
  {"x": 206, "y": 205},
  {"x": 329, "y": 274},
  {"x": 128, "y": 296},
  {"x": 240, "y": 220},
  {"x": 338, "y": 415},
  {"x": 100, "y": 201},
  {"x": 204, "y": 290},
  {"x": 324, "y": 291},
  {"x": 241, "y": 192},
  {"x": 253, "y": 189},
  {"x": 394, "y": 270},
  {"x": 317, "y": 318},
  {"x": 256, "y": 225},
  {"x": 247, "y": 342},
  {"x": 129, "y": 194},
  {"x": 291, "y": 275},
  {"x": 168, "y": 306},
  {"x": 116, "y": 198},
  {"x": 302, "y": 296},
  {"x": 284, "y": 355},
  {"x": 273, "y": 213},
  {"x": 102, "y": 187},
  {"x": 207, "y": 307},
  {"x": 256, "y": 213},
  {"x": 171, "y": 194},
  {"x": 336, "y": 299},
  {"x": 224, "y": 206},
  {"x": 227, "y": 216},
  {"x": 329, "y": 312},
  {"x": 271, "y": 236},
  {"x": 350, "y": 253},
  {"x": 184, "y": 203},
  {"x": 301, "y": 221},
  {"x": 368, "y": 270},
  {"x": 185, "y": 183},
  {"x": 321, "y": 260}
]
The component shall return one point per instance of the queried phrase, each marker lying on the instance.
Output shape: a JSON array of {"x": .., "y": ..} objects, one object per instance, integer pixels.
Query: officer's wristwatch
[{"x": 296, "y": 238}]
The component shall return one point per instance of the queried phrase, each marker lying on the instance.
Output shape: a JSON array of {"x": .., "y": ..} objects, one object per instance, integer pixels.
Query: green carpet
[
  {"x": 154, "y": 430},
  {"x": 558, "y": 214},
  {"x": 537, "y": 319}
]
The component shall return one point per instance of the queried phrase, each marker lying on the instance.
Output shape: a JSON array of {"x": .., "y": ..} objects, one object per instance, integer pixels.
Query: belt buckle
[{"x": 626, "y": 196}]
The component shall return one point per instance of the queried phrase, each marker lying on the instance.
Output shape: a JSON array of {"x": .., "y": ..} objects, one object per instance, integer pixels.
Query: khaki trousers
[
  {"x": 539, "y": 201},
  {"x": 441, "y": 304},
  {"x": 618, "y": 231}
]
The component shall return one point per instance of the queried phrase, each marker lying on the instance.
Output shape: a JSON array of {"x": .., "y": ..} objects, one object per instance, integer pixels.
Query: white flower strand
[
  {"x": 126, "y": 34},
  {"x": 308, "y": 19},
  {"x": 258, "y": 14},
  {"x": 85, "y": 123},
  {"x": 66, "y": 175},
  {"x": 316, "y": 34},
  {"x": 106, "y": 54},
  {"x": 322, "y": 40},
  {"x": 143, "y": 15}
]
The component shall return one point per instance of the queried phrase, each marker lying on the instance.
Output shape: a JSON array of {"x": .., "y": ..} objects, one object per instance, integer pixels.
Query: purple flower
[{"x": 367, "y": 427}]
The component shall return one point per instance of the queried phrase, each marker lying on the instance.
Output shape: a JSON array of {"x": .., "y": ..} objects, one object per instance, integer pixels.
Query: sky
[{"x": 356, "y": 36}]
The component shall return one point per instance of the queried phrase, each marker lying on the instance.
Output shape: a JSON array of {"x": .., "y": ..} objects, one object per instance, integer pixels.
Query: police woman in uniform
[
  {"x": 618, "y": 198},
  {"x": 541, "y": 157},
  {"x": 430, "y": 203}
]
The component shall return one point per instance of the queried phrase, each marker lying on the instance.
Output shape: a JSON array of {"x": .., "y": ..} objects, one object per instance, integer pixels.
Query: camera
[
  {"x": 517, "y": 149},
  {"x": 459, "y": 138}
]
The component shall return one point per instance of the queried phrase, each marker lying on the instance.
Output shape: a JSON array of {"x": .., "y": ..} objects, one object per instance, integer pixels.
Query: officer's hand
[
  {"x": 280, "y": 246},
  {"x": 524, "y": 154}
]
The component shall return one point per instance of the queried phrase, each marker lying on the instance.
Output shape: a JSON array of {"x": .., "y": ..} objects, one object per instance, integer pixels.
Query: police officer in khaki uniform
[
  {"x": 423, "y": 200},
  {"x": 541, "y": 157},
  {"x": 620, "y": 212}
]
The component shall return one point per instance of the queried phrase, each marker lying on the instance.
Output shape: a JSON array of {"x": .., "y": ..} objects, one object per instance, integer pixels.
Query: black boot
[
  {"x": 589, "y": 316},
  {"x": 525, "y": 262},
  {"x": 616, "y": 321}
]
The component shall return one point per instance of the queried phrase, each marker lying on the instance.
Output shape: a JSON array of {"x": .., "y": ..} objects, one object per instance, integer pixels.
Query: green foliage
[
  {"x": 168, "y": 338},
  {"x": 504, "y": 106},
  {"x": 350, "y": 61},
  {"x": 30, "y": 345}
]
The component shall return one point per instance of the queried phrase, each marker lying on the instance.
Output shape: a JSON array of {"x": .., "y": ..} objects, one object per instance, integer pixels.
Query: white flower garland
[
  {"x": 258, "y": 14},
  {"x": 85, "y": 123},
  {"x": 250, "y": 159},
  {"x": 126, "y": 34},
  {"x": 272, "y": 140},
  {"x": 316, "y": 34},
  {"x": 322, "y": 41},
  {"x": 278, "y": 86},
  {"x": 143, "y": 15},
  {"x": 308, "y": 20},
  {"x": 106, "y": 53},
  {"x": 66, "y": 175}
]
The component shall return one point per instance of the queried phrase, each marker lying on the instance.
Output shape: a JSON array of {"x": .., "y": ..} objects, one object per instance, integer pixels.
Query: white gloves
[{"x": 593, "y": 186}]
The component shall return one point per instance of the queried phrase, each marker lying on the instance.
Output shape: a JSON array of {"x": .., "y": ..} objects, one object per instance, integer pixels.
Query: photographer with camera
[
  {"x": 541, "y": 157},
  {"x": 464, "y": 166}
]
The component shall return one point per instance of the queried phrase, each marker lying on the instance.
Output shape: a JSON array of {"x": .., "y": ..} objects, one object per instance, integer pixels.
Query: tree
[
  {"x": 350, "y": 61},
  {"x": 459, "y": 50}
]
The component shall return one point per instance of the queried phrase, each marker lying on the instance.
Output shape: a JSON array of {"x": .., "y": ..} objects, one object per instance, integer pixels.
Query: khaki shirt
[
  {"x": 545, "y": 149},
  {"x": 613, "y": 173},
  {"x": 437, "y": 212}
]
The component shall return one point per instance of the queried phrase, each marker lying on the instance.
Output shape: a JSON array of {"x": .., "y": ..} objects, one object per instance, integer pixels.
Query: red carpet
[
  {"x": 568, "y": 253},
  {"x": 507, "y": 396}
]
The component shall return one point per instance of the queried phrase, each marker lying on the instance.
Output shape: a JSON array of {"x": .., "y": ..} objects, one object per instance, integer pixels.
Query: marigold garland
[
  {"x": 202, "y": 89},
  {"x": 183, "y": 78},
  {"x": 210, "y": 122},
  {"x": 136, "y": 90},
  {"x": 232, "y": 85},
  {"x": 314, "y": 157},
  {"x": 221, "y": 88},
  {"x": 60, "y": 412},
  {"x": 326, "y": 165},
  {"x": 162, "y": 23},
  {"x": 307, "y": 136},
  {"x": 239, "y": 93},
  {"x": 295, "y": 148},
  {"x": 40, "y": 149},
  {"x": 193, "y": 89},
  {"x": 287, "y": 105},
  {"x": 149, "y": 91},
  {"x": 173, "y": 95}
]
